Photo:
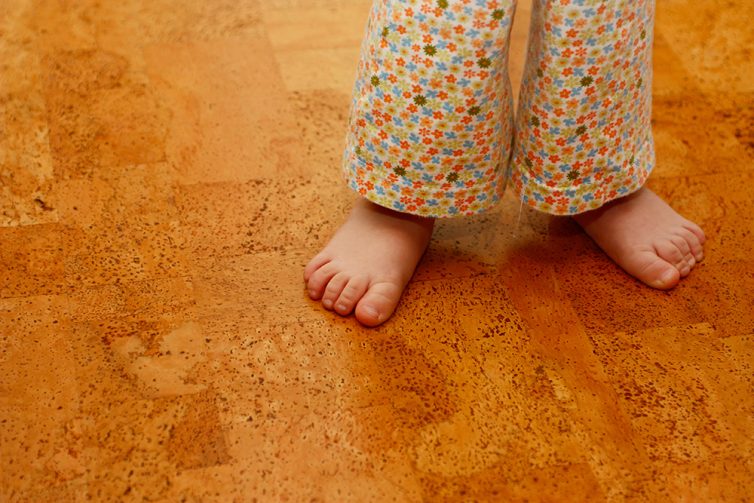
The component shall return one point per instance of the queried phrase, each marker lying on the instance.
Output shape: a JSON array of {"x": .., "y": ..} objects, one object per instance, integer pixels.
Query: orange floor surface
[{"x": 168, "y": 167}]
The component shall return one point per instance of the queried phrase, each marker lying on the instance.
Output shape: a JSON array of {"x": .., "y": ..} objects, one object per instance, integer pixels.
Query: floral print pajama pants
[{"x": 432, "y": 131}]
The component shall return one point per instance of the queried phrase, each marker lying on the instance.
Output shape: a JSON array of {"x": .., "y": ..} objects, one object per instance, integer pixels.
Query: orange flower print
[{"x": 431, "y": 130}]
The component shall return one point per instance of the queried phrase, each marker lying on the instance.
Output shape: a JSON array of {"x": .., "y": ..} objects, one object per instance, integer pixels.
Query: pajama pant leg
[
  {"x": 430, "y": 126},
  {"x": 583, "y": 128}
]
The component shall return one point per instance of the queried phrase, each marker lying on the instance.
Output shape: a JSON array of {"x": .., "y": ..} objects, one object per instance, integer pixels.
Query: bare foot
[
  {"x": 646, "y": 237},
  {"x": 368, "y": 262}
]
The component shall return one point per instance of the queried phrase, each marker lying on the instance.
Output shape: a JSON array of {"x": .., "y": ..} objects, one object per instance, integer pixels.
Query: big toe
[
  {"x": 378, "y": 303},
  {"x": 654, "y": 271}
]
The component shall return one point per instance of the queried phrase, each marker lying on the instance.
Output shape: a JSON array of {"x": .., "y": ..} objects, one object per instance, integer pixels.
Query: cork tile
[
  {"x": 133, "y": 448},
  {"x": 683, "y": 390},
  {"x": 312, "y": 69},
  {"x": 128, "y": 26},
  {"x": 265, "y": 287},
  {"x": 230, "y": 119},
  {"x": 32, "y": 260},
  {"x": 37, "y": 349},
  {"x": 101, "y": 114},
  {"x": 26, "y": 168},
  {"x": 736, "y": 110},
  {"x": 139, "y": 419},
  {"x": 713, "y": 41},
  {"x": 129, "y": 194},
  {"x": 372, "y": 392},
  {"x": 315, "y": 24},
  {"x": 50, "y": 26},
  {"x": 314, "y": 48},
  {"x": 125, "y": 252},
  {"x": 121, "y": 225},
  {"x": 693, "y": 136},
  {"x": 563, "y": 341},
  {"x": 389, "y": 479},
  {"x": 452, "y": 467},
  {"x": 140, "y": 340},
  {"x": 321, "y": 117},
  {"x": 261, "y": 215},
  {"x": 156, "y": 299},
  {"x": 669, "y": 75},
  {"x": 479, "y": 244},
  {"x": 26, "y": 174},
  {"x": 167, "y": 170}
]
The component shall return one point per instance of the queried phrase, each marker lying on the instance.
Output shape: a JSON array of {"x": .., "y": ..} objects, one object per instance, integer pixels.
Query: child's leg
[
  {"x": 583, "y": 134},
  {"x": 429, "y": 136}
]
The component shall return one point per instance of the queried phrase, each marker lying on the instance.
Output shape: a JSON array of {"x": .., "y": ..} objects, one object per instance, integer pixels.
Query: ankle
[{"x": 415, "y": 221}]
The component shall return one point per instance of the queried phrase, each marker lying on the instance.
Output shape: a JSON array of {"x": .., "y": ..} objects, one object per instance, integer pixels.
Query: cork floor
[{"x": 168, "y": 167}]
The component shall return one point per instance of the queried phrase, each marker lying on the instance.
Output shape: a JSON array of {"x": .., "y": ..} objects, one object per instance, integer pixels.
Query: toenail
[
  {"x": 341, "y": 307},
  {"x": 668, "y": 277},
  {"x": 327, "y": 303},
  {"x": 369, "y": 310},
  {"x": 312, "y": 293}
]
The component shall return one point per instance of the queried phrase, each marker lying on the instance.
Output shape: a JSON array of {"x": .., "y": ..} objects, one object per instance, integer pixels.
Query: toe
[
  {"x": 351, "y": 294},
  {"x": 690, "y": 260},
  {"x": 669, "y": 252},
  {"x": 654, "y": 270},
  {"x": 378, "y": 303},
  {"x": 685, "y": 269},
  {"x": 695, "y": 245},
  {"x": 319, "y": 280},
  {"x": 681, "y": 244},
  {"x": 696, "y": 230},
  {"x": 314, "y": 264},
  {"x": 334, "y": 288}
]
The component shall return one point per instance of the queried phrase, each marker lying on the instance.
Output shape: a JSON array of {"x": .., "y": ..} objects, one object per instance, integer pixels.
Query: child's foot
[
  {"x": 368, "y": 262},
  {"x": 646, "y": 237}
]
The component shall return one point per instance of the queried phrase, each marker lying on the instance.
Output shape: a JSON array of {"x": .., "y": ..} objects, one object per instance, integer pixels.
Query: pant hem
[
  {"x": 405, "y": 199},
  {"x": 576, "y": 199}
]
